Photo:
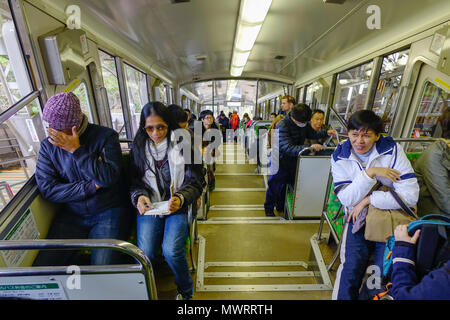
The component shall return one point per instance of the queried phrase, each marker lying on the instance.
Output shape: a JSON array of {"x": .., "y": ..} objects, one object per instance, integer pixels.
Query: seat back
[{"x": 311, "y": 184}]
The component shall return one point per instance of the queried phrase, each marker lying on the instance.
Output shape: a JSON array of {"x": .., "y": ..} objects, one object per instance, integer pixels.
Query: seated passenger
[
  {"x": 179, "y": 116},
  {"x": 79, "y": 166},
  {"x": 357, "y": 165},
  {"x": 179, "y": 121},
  {"x": 159, "y": 173},
  {"x": 405, "y": 284},
  {"x": 273, "y": 115},
  {"x": 433, "y": 173},
  {"x": 206, "y": 116},
  {"x": 317, "y": 119},
  {"x": 293, "y": 130},
  {"x": 191, "y": 118}
]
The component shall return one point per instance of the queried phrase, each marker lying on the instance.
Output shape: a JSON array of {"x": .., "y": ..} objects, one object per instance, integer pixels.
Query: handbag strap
[
  {"x": 399, "y": 200},
  {"x": 402, "y": 204}
]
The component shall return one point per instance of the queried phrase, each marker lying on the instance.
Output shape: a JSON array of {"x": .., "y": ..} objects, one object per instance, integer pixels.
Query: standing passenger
[
  {"x": 287, "y": 103},
  {"x": 293, "y": 130},
  {"x": 234, "y": 124},
  {"x": 224, "y": 125},
  {"x": 159, "y": 173},
  {"x": 80, "y": 166}
]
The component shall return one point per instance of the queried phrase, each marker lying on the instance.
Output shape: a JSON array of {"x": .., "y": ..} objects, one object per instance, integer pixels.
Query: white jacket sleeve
[
  {"x": 351, "y": 189},
  {"x": 407, "y": 188}
]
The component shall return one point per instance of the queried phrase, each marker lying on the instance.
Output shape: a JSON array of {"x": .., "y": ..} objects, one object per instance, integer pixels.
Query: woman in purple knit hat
[{"x": 80, "y": 167}]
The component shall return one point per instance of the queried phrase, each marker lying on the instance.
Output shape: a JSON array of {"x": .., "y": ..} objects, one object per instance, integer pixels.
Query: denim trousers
[
  {"x": 355, "y": 254},
  {"x": 113, "y": 223},
  {"x": 169, "y": 233},
  {"x": 276, "y": 191}
]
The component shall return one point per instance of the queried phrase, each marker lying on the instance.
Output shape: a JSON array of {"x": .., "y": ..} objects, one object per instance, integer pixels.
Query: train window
[
  {"x": 14, "y": 80},
  {"x": 315, "y": 92},
  {"x": 82, "y": 94},
  {"x": 309, "y": 93},
  {"x": 350, "y": 93},
  {"x": 433, "y": 104},
  {"x": 111, "y": 83},
  {"x": 388, "y": 89},
  {"x": 20, "y": 137},
  {"x": 137, "y": 94},
  {"x": 160, "y": 92},
  {"x": 300, "y": 92}
]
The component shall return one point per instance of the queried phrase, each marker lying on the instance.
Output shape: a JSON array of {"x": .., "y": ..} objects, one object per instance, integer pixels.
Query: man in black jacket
[
  {"x": 80, "y": 167},
  {"x": 292, "y": 131}
]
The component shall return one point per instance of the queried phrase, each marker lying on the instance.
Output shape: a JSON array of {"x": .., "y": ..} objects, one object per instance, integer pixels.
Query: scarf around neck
[
  {"x": 158, "y": 151},
  {"x": 176, "y": 164},
  {"x": 83, "y": 126}
]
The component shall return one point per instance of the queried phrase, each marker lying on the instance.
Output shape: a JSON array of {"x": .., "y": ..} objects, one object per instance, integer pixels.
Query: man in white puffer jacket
[{"x": 357, "y": 165}]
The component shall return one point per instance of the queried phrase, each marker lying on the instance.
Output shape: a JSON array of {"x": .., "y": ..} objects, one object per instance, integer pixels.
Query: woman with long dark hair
[{"x": 159, "y": 173}]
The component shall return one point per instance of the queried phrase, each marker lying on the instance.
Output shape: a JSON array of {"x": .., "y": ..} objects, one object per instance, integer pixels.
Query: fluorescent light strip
[
  {"x": 231, "y": 87},
  {"x": 251, "y": 18}
]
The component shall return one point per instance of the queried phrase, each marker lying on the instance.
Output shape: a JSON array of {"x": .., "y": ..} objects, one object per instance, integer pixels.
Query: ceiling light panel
[{"x": 251, "y": 17}]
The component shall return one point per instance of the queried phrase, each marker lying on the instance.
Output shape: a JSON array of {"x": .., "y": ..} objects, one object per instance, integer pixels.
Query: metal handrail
[
  {"x": 18, "y": 106},
  {"x": 403, "y": 139},
  {"x": 339, "y": 118},
  {"x": 122, "y": 246},
  {"x": 17, "y": 160},
  {"x": 312, "y": 149},
  {"x": 427, "y": 140}
]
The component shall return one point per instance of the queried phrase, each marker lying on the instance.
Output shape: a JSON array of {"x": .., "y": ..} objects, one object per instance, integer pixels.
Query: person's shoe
[
  {"x": 178, "y": 297},
  {"x": 269, "y": 213}
]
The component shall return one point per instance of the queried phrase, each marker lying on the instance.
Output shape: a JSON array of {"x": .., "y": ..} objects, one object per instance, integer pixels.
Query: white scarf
[{"x": 176, "y": 165}]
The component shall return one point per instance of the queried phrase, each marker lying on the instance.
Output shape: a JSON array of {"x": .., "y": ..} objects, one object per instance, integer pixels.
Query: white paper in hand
[{"x": 159, "y": 208}]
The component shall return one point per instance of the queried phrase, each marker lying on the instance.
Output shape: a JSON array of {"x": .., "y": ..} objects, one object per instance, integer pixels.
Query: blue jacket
[
  {"x": 405, "y": 285},
  {"x": 225, "y": 122},
  {"x": 292, "y": 141},
  {"x": 68, "y": 178}
]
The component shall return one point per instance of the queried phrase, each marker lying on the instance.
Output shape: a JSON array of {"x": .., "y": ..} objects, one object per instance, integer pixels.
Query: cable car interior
[{"x": 339, "y": 56}]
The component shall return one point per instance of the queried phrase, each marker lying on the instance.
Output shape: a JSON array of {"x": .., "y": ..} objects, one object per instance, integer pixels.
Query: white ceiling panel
[{"x": 194, "y": 40}]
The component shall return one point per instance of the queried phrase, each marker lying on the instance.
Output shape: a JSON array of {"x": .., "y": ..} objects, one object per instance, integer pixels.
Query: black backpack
[{"x": 432, "y": 248}]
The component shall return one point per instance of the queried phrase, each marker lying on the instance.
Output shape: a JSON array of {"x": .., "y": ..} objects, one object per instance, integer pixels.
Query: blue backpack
[{"x": 432, "y": 248}]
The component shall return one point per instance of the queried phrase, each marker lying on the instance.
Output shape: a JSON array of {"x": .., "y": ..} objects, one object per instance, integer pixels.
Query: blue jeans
[
  {"x": 109, "y": 224},
  {"x": 355, "y": 254},
  {"x": 171, "y": 233}
]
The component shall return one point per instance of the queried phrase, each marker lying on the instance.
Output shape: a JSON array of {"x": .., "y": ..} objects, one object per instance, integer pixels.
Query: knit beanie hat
[{"x": 62, "y": 111}]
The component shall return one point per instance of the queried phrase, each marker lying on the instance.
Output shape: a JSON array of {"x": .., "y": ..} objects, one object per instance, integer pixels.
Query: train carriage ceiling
[{"x": 193, "y": 40}]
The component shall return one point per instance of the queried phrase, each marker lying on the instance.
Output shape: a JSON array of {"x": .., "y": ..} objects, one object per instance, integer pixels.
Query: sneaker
[{"x": 178, "y": 297}]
